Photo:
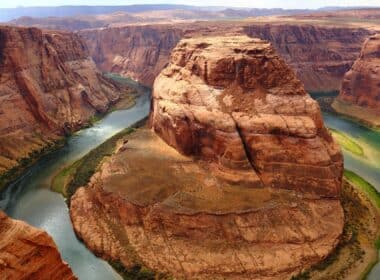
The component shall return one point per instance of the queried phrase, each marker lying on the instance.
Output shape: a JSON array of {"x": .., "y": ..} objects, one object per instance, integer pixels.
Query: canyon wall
[
  {"x": 359, "y": 96},
  {"x": 237, "y": 179},
  {"x": 49, "y": 86},
  {"x": 139, "y": 52},
  {"x": 29, "y": 253},
  {"x": 319, "y": 55}
]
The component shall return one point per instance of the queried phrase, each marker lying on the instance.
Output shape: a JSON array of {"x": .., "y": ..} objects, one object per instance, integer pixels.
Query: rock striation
[
  {"x": 319, "y": 55},
  {"x": 29, "y": 253},
  {"x": 49, "y": 86},
  {"x": 238, "y": 177},
  {"x": 359, "y": 96},
  {"x": 139, "y": 52},
  {"x": 236, "y": 102}
]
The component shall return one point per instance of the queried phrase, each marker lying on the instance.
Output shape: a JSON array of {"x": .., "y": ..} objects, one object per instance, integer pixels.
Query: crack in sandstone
[{"x": 246, "y": 150}]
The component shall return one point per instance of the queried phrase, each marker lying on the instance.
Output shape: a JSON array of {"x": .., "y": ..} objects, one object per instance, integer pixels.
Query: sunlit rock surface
[
  {"x": 29, "y": 253},
  {"x": 238, "y": 177}
]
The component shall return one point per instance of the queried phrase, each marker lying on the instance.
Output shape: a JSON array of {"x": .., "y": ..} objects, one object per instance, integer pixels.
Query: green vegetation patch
[
  {"x": 78, "y": 174},
  {"x": 138, "y": 272},
  {"x": 12, "y": 174},
  {"x": 347, "y": 142},
  {"x": 371, "y": 192}
]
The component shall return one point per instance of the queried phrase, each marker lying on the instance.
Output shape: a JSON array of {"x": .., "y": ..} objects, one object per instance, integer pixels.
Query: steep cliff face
[
  {"x": 360, "y": 92},
  {"x": 29, "y": 253},
  {"x": 238, "y": 178},
  {"x": 48, "y": 86},
  {"x": 136, "y": 51},
  {"x": 319, "y": 55}
]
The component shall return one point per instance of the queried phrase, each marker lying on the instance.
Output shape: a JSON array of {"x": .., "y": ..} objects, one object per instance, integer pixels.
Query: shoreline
[
  {"x": 357, "y": 253},
  {"x": 350, "y": 249},
  {"x": 127, "y": 100},
  {"x": 78, "y": 173}
]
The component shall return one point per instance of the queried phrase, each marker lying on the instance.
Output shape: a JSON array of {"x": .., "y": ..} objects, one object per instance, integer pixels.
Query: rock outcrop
[
  {"x": 319, "y": 55},
  {"x": 237, "y": 103},
  {"x": 29, "y": 253},
  {"x": 359, "y": 96},
  {"x": 248, "y": 187},
  {"x": 49, "y": 86}
]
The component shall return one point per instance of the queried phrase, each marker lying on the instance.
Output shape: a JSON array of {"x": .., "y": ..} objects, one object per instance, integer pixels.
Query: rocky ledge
[
  {"x": 238, "y": 177},
  {"x": 359, "y": 96},
  {"x": 29, "y": 253}
]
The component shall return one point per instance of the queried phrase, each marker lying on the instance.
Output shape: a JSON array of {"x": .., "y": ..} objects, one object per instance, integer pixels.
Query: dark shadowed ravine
[{"x": 30, "y": 198}]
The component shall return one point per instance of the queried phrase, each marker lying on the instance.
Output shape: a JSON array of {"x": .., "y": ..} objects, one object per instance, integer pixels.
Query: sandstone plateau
[
  {"x": 238, "y": 177},
  {"x": 319, "y": 55},
  {"x": 49, "y": 86},
  {"x": 29, "y": 253},
  {"x": 359, "y": 96}
]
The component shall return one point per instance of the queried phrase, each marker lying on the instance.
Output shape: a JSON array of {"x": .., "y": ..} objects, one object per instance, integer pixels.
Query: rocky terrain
[
  {"x": 49, "y": 86},
  {"x": 238, "y": 177},
  {"x": 359, "y": 96},
  {"x": 319, "y": 55},
  {"x": 29, "y": 253}
]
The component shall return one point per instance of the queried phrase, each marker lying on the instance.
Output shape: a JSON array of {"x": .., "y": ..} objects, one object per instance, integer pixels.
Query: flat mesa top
[{"x": 226, "y": 44}]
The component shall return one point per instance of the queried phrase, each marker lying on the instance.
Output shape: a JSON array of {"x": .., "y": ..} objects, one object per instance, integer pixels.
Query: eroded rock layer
[
  {"x": 29, "y": 253},
  {"x": 360, "y": 92},
  {"x": 49, "y": 85},
  {"x": 235, "y": 102},
  {"x": 248, "y": 187},
  {"x": 319, "y": 55},
  {"x": 139, "y": 52}
]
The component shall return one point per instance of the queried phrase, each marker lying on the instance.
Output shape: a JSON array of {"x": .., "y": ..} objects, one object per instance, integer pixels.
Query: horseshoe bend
[{"x": 235, "y": 175}]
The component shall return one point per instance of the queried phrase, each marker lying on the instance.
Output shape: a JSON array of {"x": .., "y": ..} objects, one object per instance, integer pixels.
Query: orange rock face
[
  {"x": 238, "y": 104},
  {"x": 29, "y": 253},
  {"x": 48, "y": 86},
  {"x": 248, "y": 187},
  {"x": 319, "y": 55},
  {"x": 361, "y": 85}
]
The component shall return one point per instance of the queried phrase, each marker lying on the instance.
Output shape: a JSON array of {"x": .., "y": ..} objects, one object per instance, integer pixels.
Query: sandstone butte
[
  {"x": 359, "y": 96},
  {"x": 49, "y": 86},
  {"x": 237, "y": 178},
  {"x": 29, "y": 253},
  {"x": 319, "y": 55}
]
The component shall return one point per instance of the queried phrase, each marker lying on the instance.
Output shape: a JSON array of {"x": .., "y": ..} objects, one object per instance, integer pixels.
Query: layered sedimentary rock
[
  {"x": 319, "y": 55},
  {"x": 139, "y": 52},
  {"x": 238, "y": 177},
  {"x": 49, "y": 86},
  {"x": 242, "y": 107},
  {"x": 29, "y": 253},
  {"x": 359, "y": 96}
]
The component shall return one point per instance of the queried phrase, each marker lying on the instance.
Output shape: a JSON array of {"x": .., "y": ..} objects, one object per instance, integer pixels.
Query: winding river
[
  {"x": 30, "y": 198},
  {"x": 367, "y": 166}
]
